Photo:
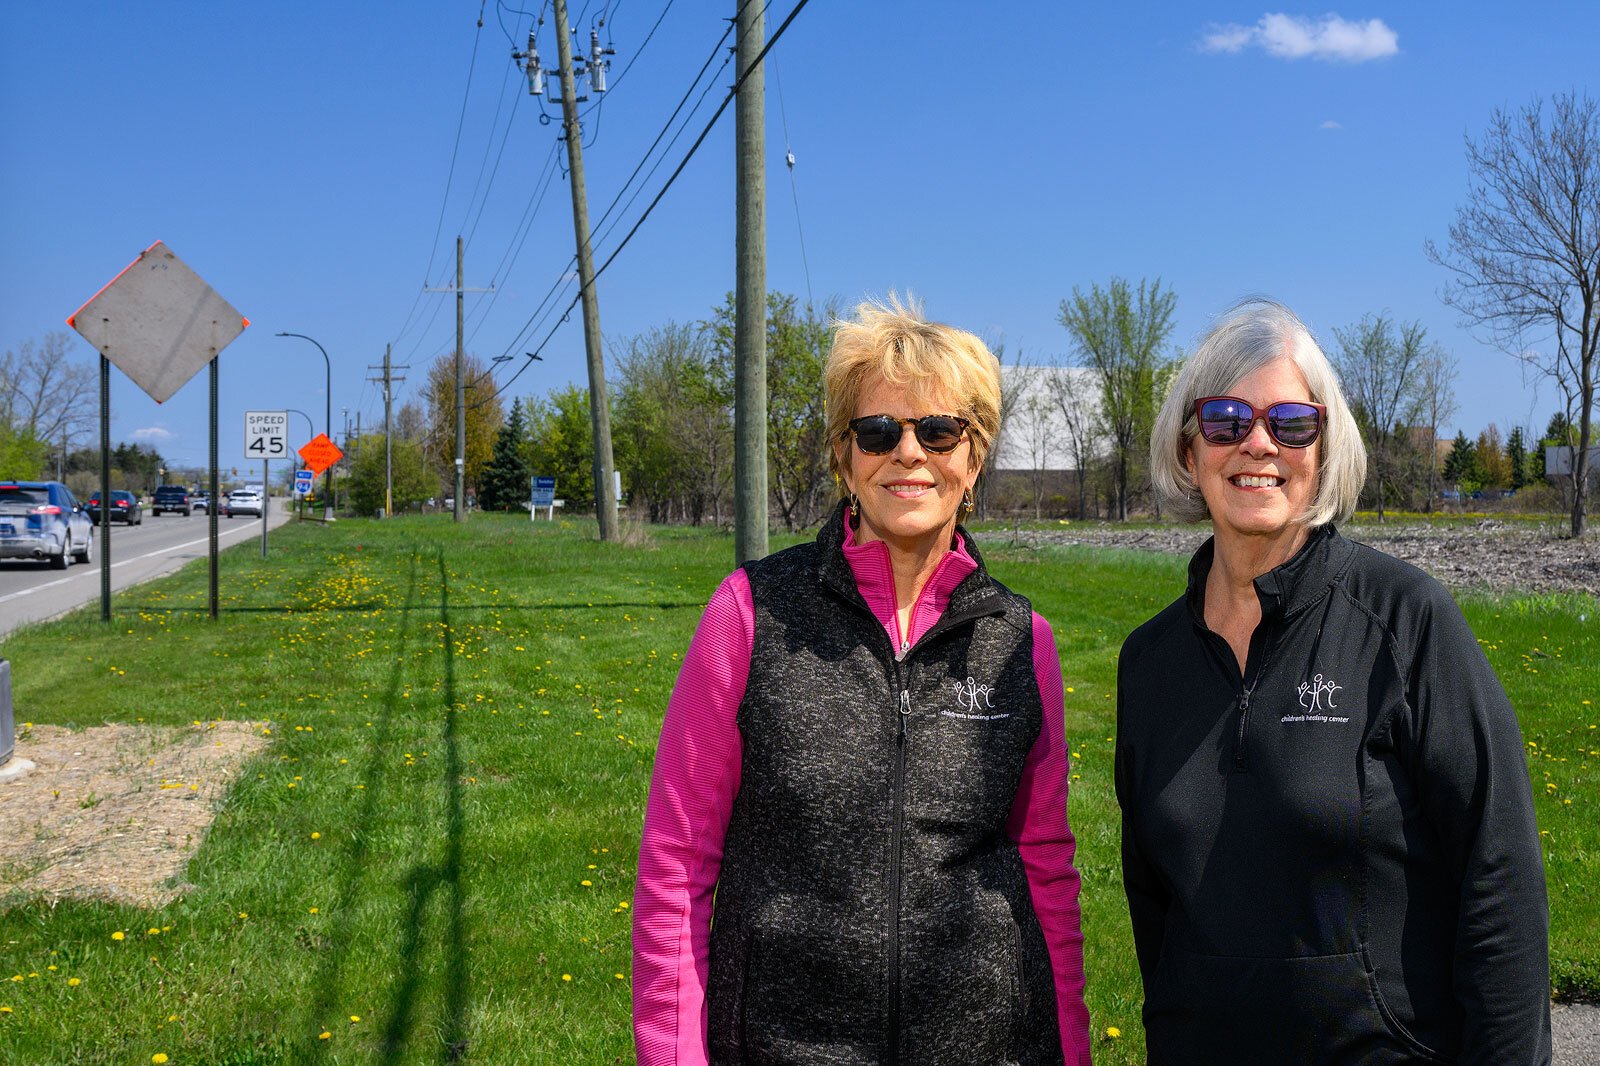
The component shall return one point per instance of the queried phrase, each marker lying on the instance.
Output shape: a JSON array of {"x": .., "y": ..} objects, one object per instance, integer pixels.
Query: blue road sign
[{"x": 303, "y": 480}]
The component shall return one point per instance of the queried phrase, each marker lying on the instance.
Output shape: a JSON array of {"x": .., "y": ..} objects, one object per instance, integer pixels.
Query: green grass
[{"x": 466, "y": 715}]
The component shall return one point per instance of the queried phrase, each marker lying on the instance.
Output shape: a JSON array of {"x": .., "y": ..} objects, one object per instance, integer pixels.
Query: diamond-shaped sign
[
  {"x": 158, "y": 321},
  {"x": 320, "y": 453}
]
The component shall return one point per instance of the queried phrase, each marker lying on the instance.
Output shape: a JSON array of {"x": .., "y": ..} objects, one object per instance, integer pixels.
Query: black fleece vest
[{"x": 871, "y": 908}]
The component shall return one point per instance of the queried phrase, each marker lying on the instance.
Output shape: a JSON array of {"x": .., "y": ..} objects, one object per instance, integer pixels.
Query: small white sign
[{"x": 266, "y": 434}]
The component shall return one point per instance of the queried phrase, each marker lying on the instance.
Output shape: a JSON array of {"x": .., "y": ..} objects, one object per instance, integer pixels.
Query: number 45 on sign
[{"x": 266, "y": 434}]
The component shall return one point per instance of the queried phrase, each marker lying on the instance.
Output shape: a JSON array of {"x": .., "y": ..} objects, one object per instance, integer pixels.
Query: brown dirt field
[
  {"x": 1490, "y": 555},
  {"x": 114, "y": 812}
]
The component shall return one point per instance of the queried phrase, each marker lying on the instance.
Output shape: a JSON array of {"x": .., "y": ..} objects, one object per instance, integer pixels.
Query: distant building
[{"x": 1033, "y": 434}]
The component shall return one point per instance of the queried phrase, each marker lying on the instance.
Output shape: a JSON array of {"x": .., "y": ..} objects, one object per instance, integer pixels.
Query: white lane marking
[{"x": 137, "y": 558}]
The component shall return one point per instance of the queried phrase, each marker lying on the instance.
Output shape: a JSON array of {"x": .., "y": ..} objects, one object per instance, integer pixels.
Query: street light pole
[{"x": 327, "y": 426}]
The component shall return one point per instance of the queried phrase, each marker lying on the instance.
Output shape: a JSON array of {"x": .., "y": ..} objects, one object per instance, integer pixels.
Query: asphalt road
[{"x": 32, "y": 592}]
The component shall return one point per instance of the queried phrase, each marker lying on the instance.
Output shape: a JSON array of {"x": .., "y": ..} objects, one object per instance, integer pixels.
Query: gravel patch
[{"x": 1489, "y": 555}]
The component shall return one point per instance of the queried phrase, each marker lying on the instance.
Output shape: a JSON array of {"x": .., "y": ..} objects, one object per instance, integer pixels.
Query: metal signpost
[
  {"x": 544, "y": 495},
  {"x": 320, "y": 454},
  {"x": 266, "y": 437},
  {"x": 159, "y": 322}
]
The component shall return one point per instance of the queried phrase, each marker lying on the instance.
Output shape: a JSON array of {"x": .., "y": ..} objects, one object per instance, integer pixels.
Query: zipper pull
[
  {"x": 905, "y": 709},
  {"x": 905, "y": 646}
]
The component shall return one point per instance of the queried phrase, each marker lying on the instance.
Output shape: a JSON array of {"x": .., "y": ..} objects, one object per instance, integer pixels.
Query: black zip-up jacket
[
  {"x": 1333, "y": 858},
  {"x": 870, "y": 907}
]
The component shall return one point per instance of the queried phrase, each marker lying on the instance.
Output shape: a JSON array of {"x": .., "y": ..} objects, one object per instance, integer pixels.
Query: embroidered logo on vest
[{"x": 973, "y": 699}]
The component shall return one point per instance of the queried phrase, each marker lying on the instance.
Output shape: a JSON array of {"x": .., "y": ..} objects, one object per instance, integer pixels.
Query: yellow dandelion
[
  {"x": 619, "y": 977},
  {"x": 324, "y": 1035},
  {"x": 118, "y": 935},
  {"x": 566, "y": 977},
  {"x": 1113, "y": 1032},
  {"x": 152, "y": 931},
  {"x": 74, "y": 982},
  {"x": 355, "y": 1018},
  {"x": 586, "y": 883},
  {"x": 158, "y": 1057},
  {"x": 316, "y": 836},
  {"x": 5, "y": 1010},
  {"x": 312, "y": 910}
]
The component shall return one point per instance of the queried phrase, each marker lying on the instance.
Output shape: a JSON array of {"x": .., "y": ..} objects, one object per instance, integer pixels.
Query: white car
[{"x": 243, "y": 502}]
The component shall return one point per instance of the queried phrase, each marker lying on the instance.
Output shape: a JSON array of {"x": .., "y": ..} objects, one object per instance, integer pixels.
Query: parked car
[
  {"x": 171, "y": 498},
  {"x": 125, "y": 508},
  {"x": 243, "y": 502},
  {"x": 43, "y": 520}
]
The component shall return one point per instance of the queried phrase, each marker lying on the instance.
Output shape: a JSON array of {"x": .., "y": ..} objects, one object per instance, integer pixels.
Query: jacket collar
[
  {"x": 1285, "y": 589},
  {"x": 974, "y": 594}
]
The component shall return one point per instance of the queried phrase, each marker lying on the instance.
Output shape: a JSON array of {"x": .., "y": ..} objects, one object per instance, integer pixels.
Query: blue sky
[{"x": 297, "y": 156}]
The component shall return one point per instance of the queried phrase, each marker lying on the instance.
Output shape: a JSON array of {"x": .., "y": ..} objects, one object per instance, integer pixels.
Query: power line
[
  {"x": 771, "y": 41},
  {"x": 461, "y": 120},
  {"x": 794, "y": 190}
]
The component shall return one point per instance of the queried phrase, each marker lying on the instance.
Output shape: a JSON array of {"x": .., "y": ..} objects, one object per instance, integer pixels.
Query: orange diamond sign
[{"x": 321, "y": 453}]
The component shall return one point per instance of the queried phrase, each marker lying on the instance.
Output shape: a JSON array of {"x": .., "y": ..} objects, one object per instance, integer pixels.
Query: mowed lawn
[{"x": 434, "y": 859}]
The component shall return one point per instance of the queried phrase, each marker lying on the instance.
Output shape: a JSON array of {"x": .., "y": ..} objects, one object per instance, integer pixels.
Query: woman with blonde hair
[
  {"x": 1328, "y": 841},
  {"x": 856, "y": 846}
]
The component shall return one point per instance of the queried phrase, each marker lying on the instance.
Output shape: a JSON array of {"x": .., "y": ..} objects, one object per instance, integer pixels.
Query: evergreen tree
[
  {"x": 506, "y": 480},
  {"x": 1461, "y": 465},
  {"x": 1517, "y": 455}
]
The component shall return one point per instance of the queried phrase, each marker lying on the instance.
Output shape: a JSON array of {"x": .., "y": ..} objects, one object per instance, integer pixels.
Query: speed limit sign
[{"x": 266, "y": 434}]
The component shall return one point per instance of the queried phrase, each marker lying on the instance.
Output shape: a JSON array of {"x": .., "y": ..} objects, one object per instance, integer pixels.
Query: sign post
[
  {"x": 266, "y": 437},
  {"x": 159, "y": 322}
]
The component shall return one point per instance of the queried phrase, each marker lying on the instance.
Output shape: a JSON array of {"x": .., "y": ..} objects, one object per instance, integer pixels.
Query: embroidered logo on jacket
[
  {"x": 1316, "y": 696},
  {"x": 973, "y": 699}
]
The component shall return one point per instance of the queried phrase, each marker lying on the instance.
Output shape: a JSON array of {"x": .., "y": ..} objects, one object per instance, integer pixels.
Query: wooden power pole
[
  {"x": 605, "y": 495},
  {"x": 750, "y": 295}
]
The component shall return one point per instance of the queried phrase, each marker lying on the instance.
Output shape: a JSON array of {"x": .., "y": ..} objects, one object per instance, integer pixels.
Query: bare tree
[
  {"x": 1524, "y": 252},
  {"x": 1033, "y": 429},
  {"x": 1120, "y": 332},
  {"x": 44, "y": 394},
  {"x": 1013, "y": 382},
  {"x": 1436, "y": 377},
  {"x": 1377, "y": 365},
  {"x": 1074, "y": 392}
]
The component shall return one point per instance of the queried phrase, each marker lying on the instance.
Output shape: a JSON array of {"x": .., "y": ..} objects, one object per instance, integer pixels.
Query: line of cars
[{"x": 44, "y": 520}]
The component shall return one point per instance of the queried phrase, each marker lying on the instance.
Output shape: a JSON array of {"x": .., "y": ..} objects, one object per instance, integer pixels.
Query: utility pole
[
  {"x": 461, "y": 383},
  {"x": 388, "y": 380},
  {"x": 750, "y": 295},
  {"x": 605, "y": 496}
]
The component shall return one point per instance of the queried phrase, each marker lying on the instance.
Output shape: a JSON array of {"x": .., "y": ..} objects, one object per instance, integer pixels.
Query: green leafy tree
[
  {"x": 22, "y": 455},
  {"x": 506, "y": 480},
  {"x": 1120, "y": 333},
  {"x": 673, "y": 430},
  {"x": 413, "y": 480},
  {"x": 797, "y": 446},
  {"x": 561, "y": 445}
]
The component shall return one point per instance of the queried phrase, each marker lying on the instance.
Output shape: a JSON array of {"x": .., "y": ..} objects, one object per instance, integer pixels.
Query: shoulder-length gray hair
[{"x": 1246, "y": 337}]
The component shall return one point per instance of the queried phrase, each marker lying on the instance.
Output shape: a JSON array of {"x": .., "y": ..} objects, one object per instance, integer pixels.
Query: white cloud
[
  {"x": 152, "y": 433},
  {"x": 1331, "y": 125},
  {"x": 1328, "y": 38}
]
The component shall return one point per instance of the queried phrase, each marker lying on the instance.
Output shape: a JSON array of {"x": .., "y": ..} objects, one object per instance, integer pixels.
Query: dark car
[
  {"x": 125, "y": 508},
  {"x": 171, "y": 498},
  {"x": 43, "y": 520}
]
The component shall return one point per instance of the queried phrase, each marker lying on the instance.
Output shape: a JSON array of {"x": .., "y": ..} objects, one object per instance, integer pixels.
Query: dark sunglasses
[
  {"x": 880, "y": 434},
  {"x": 1229, "y": 420}
]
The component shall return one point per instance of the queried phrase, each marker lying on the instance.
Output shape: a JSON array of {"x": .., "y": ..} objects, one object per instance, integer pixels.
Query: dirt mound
[{"x": 114, "y": 812}]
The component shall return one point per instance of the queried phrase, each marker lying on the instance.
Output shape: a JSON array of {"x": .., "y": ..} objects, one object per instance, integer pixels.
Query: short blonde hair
[
  {"x": 935, "y": 363},
  {"x": 1249, "y": 335}
]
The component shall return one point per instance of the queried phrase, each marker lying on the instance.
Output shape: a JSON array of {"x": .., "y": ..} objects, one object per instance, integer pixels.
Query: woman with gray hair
[{"x": 1328, "y": 838}]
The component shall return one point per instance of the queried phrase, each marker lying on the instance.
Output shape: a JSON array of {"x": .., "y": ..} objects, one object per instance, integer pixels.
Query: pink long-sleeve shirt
[{"x": 696, "y": 778}]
